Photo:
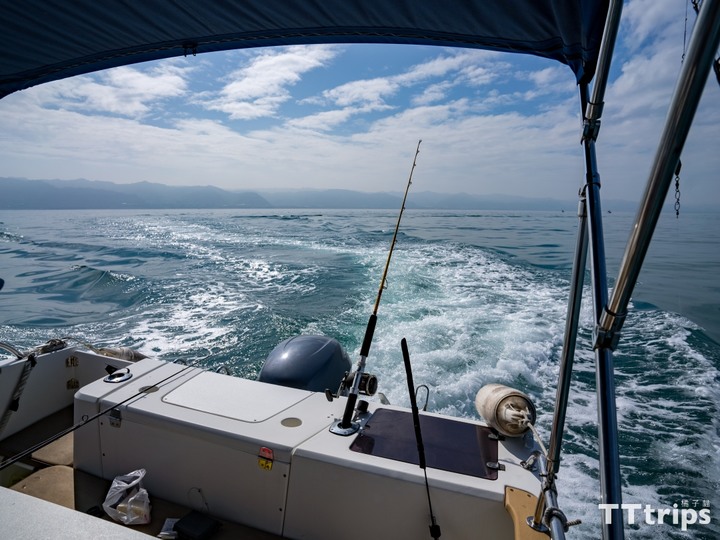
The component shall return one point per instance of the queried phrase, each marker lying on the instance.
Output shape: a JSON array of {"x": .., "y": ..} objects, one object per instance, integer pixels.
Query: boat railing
[
  {"x": 691, "y": 82},
  {"x": 589, "y": 238},
  {"x": 610, "y": 313}
]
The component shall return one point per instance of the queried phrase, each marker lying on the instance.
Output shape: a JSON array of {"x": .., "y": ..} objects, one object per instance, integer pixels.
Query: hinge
[
  {"x": 495, "y": 465},
  {"x": 115, "y": 418},
  {"x": 495, "y": 436},
  {"x": 72, "y": 361},
  {"x": 72, "y": 384}
]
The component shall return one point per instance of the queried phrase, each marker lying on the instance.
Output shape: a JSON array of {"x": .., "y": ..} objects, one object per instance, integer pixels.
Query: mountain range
[{"x": 24, "y": 194}]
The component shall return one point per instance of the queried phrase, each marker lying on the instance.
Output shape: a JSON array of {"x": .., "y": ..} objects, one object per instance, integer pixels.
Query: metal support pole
[
  {"x": 590, "y": 234},
  {"x": 569, "y": 340},
  {"x": 604, "y": 370},
  {"x": 692, "y": 80},
  {"x": 553, "y": 522},
  {"x": 610, "y": 485},
  {"x": 612, "y": 25},
  {"x": 548, "y": 517}
]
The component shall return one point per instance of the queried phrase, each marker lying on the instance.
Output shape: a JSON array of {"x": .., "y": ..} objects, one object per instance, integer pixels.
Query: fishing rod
[
  {"x": 434, "y": 527},
  {"x": 345, "y": 426}
]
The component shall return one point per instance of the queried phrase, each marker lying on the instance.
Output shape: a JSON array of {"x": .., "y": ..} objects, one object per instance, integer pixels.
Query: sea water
[{"x": 481, "y": 297}]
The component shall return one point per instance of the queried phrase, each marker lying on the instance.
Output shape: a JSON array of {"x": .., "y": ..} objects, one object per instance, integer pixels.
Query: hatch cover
[{"x": 450, "y": 445}]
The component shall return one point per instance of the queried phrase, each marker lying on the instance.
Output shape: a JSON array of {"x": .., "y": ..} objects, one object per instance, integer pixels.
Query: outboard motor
[{"x": 313, "y": 363}]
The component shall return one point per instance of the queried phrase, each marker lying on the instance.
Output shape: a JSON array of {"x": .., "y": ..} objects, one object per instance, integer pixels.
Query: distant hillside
[
  {"x": 23, "y": 194},
  {"x": 331, "y": 198},
  {"x": 340, "y": 198},
  {"x": 19, "y": 193}
]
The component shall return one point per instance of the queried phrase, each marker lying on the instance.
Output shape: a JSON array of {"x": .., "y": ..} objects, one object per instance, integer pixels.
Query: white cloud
[
  {"x": 371, "y": 95},
  {"x": 550, "y": 80},
  {"x": 324, "y": 121},
  {"x": 433, "y": 93},
  {"x": 367, "y": 92},
  {"x": 483, "y": 75},
  {"x": 649, "y": 20},
  {"x": 467, "y": 62},
  {"x": 259, "y": 88},
  {"x": 489, "y": 123},
  {"x": 125, "y": 91},
  {"x": 637, "y": 102}
]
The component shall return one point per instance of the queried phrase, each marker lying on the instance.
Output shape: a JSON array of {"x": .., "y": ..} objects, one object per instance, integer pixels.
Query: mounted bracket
[
  {"x": 338, "y": 429},
  {"x": 115, "y": 418},
  {"x": 591, "y": 129},
  {"x": 607, "y": 331}
]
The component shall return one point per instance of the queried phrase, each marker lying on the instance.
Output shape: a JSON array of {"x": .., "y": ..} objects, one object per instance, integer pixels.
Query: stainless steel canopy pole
[
  {"x": 610, "y": 316},
  {"x": 569, "y": 340},
  {"x": 693, "y": 77},
  {"x": 608, "y": 447},
  {"x": 590, "y": 234}
]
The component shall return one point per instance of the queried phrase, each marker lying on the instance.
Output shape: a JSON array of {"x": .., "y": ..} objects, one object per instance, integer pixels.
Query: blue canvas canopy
[{"x": 46, "y": 40}]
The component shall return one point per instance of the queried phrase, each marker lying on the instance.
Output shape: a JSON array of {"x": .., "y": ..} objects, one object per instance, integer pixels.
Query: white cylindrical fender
[
  {"x": 123, "y": 353},
  {"x": 505, "y": 409}
]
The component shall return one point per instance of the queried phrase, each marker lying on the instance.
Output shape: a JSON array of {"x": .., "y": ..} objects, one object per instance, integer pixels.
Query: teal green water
[{"x": 480, "y": 297}]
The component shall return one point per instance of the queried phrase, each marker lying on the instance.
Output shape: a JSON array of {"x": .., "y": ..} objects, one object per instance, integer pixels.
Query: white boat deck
[{"x": 248, "y": 452}]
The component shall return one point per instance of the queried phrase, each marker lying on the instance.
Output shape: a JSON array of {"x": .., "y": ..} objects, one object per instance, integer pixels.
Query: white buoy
[
  {"x": 123, "y": 353},
  {"x": 505, "y": 409}
]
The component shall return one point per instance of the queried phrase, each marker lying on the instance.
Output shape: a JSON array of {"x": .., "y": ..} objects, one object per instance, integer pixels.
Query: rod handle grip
[
  {"x": 369, "y": 332},
  {"x": 413, "y": 402}
]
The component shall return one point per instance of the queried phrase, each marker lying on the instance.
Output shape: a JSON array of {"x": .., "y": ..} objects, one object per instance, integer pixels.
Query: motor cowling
[{"x": 307, "y": 362}]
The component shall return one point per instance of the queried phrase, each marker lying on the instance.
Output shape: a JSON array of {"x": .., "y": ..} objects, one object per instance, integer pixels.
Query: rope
[
  {"x": 551, "y": 512},
  {"x": 525, "y": 419},
  {"x": 17, "y": 392}
]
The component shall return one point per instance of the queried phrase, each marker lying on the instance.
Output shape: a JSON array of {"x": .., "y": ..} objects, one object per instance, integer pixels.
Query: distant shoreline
[{"x": 24, "y": 194}]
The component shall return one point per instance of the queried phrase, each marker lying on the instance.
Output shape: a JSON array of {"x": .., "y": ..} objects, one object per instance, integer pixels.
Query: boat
[{"x": 311, "y": 449}]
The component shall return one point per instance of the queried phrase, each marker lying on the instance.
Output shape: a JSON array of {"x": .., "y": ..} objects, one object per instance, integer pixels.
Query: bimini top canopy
[{"x": 46, "y": 40}]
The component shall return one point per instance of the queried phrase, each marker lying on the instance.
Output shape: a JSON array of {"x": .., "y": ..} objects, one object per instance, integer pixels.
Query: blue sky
[{"x": 349, "y": 116}]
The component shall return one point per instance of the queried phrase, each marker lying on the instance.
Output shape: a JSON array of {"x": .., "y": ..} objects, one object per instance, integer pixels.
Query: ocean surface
[{"x": 480, "y": 296}]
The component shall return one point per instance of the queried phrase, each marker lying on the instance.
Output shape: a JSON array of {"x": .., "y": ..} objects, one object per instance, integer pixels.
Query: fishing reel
[
  {"x": 356, "y": 412},
  {"x": 368, "y": 385}
]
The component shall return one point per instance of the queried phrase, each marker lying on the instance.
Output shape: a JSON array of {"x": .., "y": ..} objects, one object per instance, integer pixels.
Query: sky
[{"x": 350, "y": 117}]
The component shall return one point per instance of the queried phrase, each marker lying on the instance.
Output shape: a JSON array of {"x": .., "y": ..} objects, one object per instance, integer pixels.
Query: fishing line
[
  {"x": 383, "y": 281},
  {"x": 346, "y": 427}
]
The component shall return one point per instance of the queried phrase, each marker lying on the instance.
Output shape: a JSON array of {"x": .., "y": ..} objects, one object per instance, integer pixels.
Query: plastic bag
[{"x": 127, "y": 501}]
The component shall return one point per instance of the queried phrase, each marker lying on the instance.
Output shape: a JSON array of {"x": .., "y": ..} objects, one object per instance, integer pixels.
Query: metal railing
[{"x": 610, "y": 313}]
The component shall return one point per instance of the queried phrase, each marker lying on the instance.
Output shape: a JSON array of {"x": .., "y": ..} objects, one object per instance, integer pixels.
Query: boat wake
[{"x": 229, "y": 290}]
